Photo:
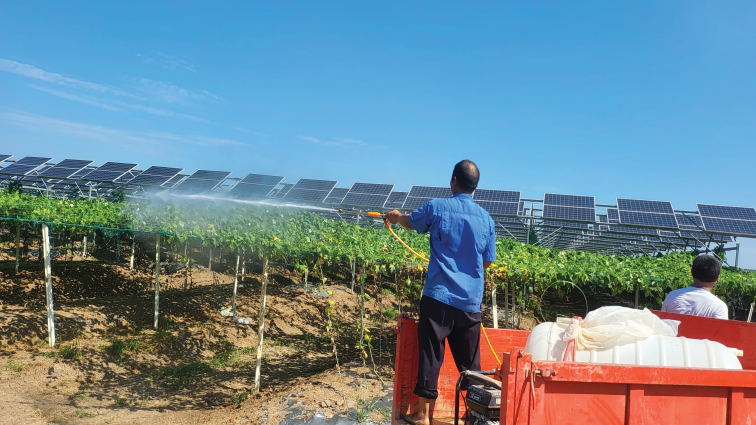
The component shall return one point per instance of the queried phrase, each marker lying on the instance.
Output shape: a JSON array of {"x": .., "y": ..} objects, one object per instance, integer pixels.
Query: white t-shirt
[{"x": 695, "y": 301}]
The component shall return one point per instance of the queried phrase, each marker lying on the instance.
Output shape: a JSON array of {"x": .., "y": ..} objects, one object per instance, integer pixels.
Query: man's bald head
[{"x": 467, "y": 175}]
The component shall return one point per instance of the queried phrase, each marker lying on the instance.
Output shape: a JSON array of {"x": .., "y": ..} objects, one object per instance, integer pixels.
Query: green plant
[
  {"x": 239, "y": 398},
  {"x": 69, "y": 351},
  {"x": 364, "y": 409},
  {"x": 17, "y": 367},
  {"x": 120, "y": 402},
  {"x": 79, "y": 394},
  {"x": 178, "y": 377},
  {"x": 390, "y": 313},
  {"x": 117, "y": 347},
  {"x": 84, "y": 414}
]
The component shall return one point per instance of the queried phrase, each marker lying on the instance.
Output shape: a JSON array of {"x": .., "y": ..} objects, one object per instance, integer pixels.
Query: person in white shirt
[{"x": 697, "y": 299}]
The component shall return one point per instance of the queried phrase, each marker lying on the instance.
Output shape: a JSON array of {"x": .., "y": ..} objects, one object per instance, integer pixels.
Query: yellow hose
[{"x": 388, "y": 226}]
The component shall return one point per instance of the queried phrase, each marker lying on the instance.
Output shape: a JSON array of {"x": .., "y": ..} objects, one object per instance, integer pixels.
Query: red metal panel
[
  {"x": 674, "y": 405},
  {"x": 580, "y": 403},
  {"x": 731, "y": 333},
  {"x": 742, "y": 406}
]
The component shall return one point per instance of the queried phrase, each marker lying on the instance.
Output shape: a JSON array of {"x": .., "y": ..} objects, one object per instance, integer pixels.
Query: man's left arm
[{"x": 489, "y": 255}]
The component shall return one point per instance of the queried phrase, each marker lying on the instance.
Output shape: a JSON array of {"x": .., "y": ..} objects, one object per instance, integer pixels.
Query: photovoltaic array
[
  {"x": 255, "y": 186},
  {"x": 570, "y": 207},
  {"x": 110, "y": 171},
  {"x": 420, "y": 195},
  {"x": 25, "y": 165},
  {"x": 368, "y": 194},
  {"x": 202, "y": 181},
  {"x": 336, "y": 196},
  {"x": 497, "y": 201},
  {"x": 646, "y": 213},
  {"x": 720, "y": 218},
  {"x": 155, "y": 176},
  {"x": 285, "y": 188},
  {"x": 65, "y": 168},
  {"x": 396, "y": 200},
  {"x": 310, "y": 191},
  {"x": 5, "y": 157}
]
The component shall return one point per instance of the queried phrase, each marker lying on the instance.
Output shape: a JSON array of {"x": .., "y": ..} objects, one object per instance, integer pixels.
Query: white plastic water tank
[{"x": 545, "y": 343}]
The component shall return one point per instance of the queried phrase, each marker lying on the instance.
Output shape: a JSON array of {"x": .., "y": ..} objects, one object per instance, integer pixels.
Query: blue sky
[{"x": 648, "y": 100}]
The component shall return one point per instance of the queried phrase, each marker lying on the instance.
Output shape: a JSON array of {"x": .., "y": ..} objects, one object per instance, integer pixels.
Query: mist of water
[{"x": 167, "y": 197}]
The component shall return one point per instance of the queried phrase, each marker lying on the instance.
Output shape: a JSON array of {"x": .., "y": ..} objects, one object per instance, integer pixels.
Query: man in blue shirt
[{"x": 462, "y": 245}]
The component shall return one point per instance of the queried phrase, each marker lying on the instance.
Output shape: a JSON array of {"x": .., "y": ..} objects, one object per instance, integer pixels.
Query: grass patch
[
  {"x": 17, "y": 367},
  {"x": 84, "y": 414},
  {"x": 390, "y": 313},
  {"x": 364, "y": 409},
  {"x": 118, "y": 347},
  {"x": 121, "y": 402},
  {"x": 166, "y": 322},
  {"x": 239, "y": 398},
  {"x": 178, "y": 377},
  {"x": 69, "y": 351},
  {"x": 79, "y": 394}
]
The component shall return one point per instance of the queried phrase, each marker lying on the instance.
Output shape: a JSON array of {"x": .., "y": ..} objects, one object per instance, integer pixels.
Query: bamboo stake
[
  {"x": 84, "y": 252},
  {"x": 48, "y": 285},
  {"x": 133, "y": 249},
  {"x": 157, "y": 278},
  {"x": 262, "y": 323},
  {"x": 236, "y": 280},
  {"x": 494, "y": 309},
  {"x": 354, "y": 260},
  {"x": 18, "y": 245}
]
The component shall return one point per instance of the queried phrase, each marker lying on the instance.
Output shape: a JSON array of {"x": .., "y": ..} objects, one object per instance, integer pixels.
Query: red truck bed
[{"x": 582, "y": 393}]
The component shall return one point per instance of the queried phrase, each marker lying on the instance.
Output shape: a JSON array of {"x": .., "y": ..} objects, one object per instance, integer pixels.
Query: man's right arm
[{"x": 397, "y": 217}]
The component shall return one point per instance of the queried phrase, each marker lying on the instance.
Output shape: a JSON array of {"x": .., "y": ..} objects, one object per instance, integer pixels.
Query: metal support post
[
  {"x": 133, "y": 248},
  {"x": 261, "y": 329},
  {"x": 236, "y": 280},
  {"x": 18, "y": 245},
  {"x": 494, "y": 310},
  {"x": 157, "y": 278},
  {"x": 48, "y": 285},
  {"x": 737, "y": 253},
  {"x": 84, "y": 248}
]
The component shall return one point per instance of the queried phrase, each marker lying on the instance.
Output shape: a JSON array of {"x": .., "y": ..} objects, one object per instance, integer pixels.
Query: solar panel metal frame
[
  {"x": 284, "y": 190},
  {"x": 255, "y": 186},
  {"x": 336, "y": 196},
  {"x": 109, "y": 171},
  {"x": 310, "y": 190},
  {"x": 25, "y": 165},
  {"x": 420, "y": 195},
  {"x": 203, "y": 181},
  {"x": 395, "y": 200},
  {"x": 372, "y": 195},
  {"x": 65, "y": 169},
  {"x": 4, "y": 158},
  {"x": 642, "y": 212},
  {"x": 155, "y": 176}
]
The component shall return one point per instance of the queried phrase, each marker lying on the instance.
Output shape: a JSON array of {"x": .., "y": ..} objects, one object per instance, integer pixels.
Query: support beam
[
  {"x": 48, "y": 285},
  {"x": 261, "y": 330},
  {"x": 18, "y": 245},
  {"x": 236, "y": 281},
  {"x": 157, "y": 278}
]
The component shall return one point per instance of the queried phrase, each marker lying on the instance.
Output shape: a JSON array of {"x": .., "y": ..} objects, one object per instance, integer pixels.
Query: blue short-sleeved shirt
[{"x": 462, "y": 237}]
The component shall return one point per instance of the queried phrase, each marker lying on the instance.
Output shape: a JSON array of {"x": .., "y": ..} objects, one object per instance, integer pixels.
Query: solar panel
[
  {"x": 65, "y": 168},
  {"x": 420, "y": 195},
  {"x": 569, "y": 200},
  {"x": 308, "y": 190},
  {"x": 255, "y": 186},
  {"x": 202, "y": 181},
  {"x": 556, "y": 211},
  {"x": 110, "y": 171},
  {"x": 395, "y": 200},
  {"x": 646, "y": 213},
  {"x": 4, "y": 157},
  {"x": 155, "y": 176},
  {"x": 612, "y": 215},
  {"x": 336, "y": 195},
  {"x": 639, "y": 205},
  {"x": 284, "y": 190},
  {"x": 368, "y": 194},
  {"x": 720, "y": 218},
  {"x": 173, "y": 181},
  {"x": 25, "y": 165},
  {"x": 498, "y": 201},
  {"x": 521, "y": 208}
]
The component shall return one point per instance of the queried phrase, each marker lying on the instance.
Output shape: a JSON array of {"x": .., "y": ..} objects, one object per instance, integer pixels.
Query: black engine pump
[{"x": 484, "y": 405}]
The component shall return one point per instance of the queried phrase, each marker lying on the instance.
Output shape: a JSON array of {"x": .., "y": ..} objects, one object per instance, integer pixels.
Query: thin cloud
[
  {"x": 170, "y": 93},
  {"x": 89, "y": 100},
  {"x": 168, "y": 62},
  {"x": 100, "y": 134},
  {"x": 30, "y": 71},
  {"x": 162, "y": 112},
  {"x": 339, "y": 142}
]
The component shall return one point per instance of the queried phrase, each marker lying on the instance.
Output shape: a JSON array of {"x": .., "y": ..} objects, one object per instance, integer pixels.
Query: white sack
[{"x": 610, "y": 326}]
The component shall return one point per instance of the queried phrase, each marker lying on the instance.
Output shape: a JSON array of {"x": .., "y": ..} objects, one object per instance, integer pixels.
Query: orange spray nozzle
[{"x": 374, "y": 214}]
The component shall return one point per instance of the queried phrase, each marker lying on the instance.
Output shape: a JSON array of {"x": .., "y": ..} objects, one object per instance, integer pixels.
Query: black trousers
[{"x": 437, "y": 323}]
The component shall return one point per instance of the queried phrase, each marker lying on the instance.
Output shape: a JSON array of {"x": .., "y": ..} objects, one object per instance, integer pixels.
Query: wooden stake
[
  {"x": 506, "y": 306},
  {"x": 354, "y": 260},
  {"x": 236, "y": 280},
  {"x": 262, "y": 323},
  {"x": 48, "y": 285},
  {"x": 18, "y": 245},
  {"x": 494, "y": 309},
  {"x": 133, "y": 248},
  {"x": 157, "y": 278}
]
